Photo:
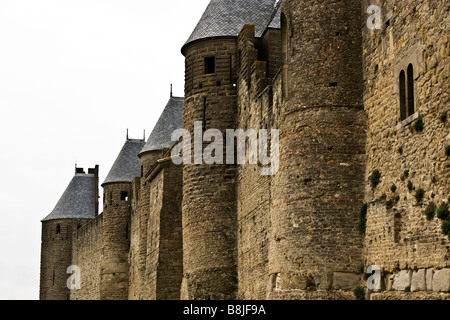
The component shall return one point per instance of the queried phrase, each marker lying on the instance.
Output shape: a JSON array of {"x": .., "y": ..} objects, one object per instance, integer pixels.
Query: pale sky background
[{"x": 74, "y": 75}]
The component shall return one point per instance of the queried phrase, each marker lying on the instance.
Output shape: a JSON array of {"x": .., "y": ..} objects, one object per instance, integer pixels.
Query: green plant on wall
[
  {"x": 420, "y": 193},
  {"x": 360, "y": 293},
  {"x": 375, "y": 178},
  {"x": 442, "y": 211},
  {"x": 363, "y": 218},
  {"x": 418, "y": 125},
  {"x": 410, "y": 185},
  {"x": 446, "y": 228},
  {"x": 405, "y": 175},
  {"x": 430, "y": 211},
  {"x": 393, "y": 188}
]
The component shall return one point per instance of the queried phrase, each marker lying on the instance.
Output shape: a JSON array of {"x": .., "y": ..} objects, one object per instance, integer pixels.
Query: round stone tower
[
  {"x": 209, "y": 216},
  {"x": 316, "y": 195},
  {"x": 117, "y": 220},
  {"x": 77, "y": 205}
]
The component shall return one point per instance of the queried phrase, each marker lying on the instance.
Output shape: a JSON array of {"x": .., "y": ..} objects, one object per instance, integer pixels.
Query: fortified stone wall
[
  {"x": 255, "y": 111},
  {"x": 349, "y": 102},
  {"x": 134, "y": 287},
  {"x": 87, "y": 251},
  {"x": 164, "y": 268},
  {"x": 139, "y": 227},
  {"x": 406, "y": 67}
]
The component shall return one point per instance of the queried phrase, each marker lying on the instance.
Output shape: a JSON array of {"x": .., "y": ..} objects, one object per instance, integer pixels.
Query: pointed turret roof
[
  {"x": 127, "y": 165},
  {"x": 227, "y": 17},
  {"x": 77, "y": 201},
  {"x": 275, "y": 22},
  {"x": 170, "y": 120}
]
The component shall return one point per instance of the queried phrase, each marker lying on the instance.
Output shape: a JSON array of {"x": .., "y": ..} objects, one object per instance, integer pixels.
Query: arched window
[
  {"x": 58, "y": 229},
  {"x": 410, "y": 81},
  {"x": 402, "y": 89}
]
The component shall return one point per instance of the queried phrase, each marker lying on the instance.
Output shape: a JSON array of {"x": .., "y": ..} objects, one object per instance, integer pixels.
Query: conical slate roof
[
  {"x": 77, "y": 201},
  {"x": 227, "y": 17},
  {"x": 275, "y": 23},
  {"x": 127, "y": 165},
  {"x": 171, "y": 119}
]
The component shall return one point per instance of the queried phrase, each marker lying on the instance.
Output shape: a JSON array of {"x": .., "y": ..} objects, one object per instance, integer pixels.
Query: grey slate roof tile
[
  {"x": 77, "y": 201},
  {"x": 127, "y": 165},
  {"x": 275, "y": 23},
  {"x": 227, "y": 17},
  {"x": 170, "y": 120}
]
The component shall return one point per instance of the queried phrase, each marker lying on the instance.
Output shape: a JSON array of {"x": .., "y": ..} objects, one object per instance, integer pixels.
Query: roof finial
[
  {"x": 127, "y": 134},
  {"x": 171, "y": 92},
  {"x": 144, "y": 134}
]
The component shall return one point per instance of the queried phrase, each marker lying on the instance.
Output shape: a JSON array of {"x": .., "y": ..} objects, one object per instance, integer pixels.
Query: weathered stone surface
[
  {"x": 441, "y": 280},
  {"x": 418, "y": 282},
  {"x": 402, "y": 280},
  {"x": 389, "y": 281},
  {"x": 332, "y": 89},
  {"x": 345, "y": 281},
  {"x": 429, "y": 278},
  {"x": 398, "y": 235}
]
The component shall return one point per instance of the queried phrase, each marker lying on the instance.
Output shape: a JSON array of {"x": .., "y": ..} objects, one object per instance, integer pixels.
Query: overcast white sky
[{"x": 74, "y": 75}]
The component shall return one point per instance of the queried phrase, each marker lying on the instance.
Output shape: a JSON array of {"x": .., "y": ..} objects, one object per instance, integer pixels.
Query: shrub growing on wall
[
  {"x": 430, "y": 211},
  {"x": 375, "y": 178},
  {"x": 442, "y": 211}
]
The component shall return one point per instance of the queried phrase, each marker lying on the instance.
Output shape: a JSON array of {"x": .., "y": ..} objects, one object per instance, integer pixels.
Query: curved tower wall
[
  {"x": 316, "y": 195},
  {"x": 56, "y": 257},
  {"x": 116, "y": 241},
  {"x": 209, "y": 213}
]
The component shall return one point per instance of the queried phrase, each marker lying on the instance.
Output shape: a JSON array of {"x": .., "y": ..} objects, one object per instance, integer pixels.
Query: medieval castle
[{"x": 361, "y": 101}]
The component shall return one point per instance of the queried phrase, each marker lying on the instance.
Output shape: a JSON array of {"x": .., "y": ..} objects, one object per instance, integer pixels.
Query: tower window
[
  {"x": 402, "y": 87},
  {"x": 58, "y": 229},
  {"x": 124, "y": 196},
  {"x": 406, "y": 90},
  {"x": 210, "y": 65},
  {"x": 410, "y": 81}
]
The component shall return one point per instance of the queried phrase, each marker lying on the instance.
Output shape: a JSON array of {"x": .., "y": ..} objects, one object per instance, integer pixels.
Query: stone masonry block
[
  {"x": 418, "y": 282},
  {"x": 345, "y": 281},
  {"x": 441, "y": 280},
  {"x": 402, "y": 280},
  {"x": 429, "y": 279}
]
